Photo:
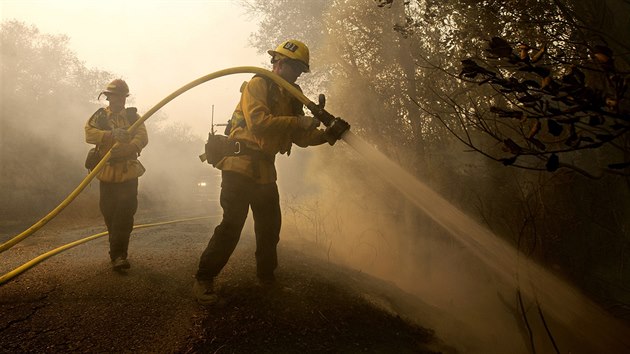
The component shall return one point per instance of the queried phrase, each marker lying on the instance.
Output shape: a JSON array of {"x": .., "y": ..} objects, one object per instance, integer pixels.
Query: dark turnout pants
[
  {"x": 118, "y": 203},
  {"x": 238, "y": 194}
]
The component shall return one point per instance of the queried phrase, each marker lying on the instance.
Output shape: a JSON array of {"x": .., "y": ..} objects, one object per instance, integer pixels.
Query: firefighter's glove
[
  {"x": 307, "y": 123},
  {"x": 124, "y": 150},
  {"x": 121, "y": 135}
]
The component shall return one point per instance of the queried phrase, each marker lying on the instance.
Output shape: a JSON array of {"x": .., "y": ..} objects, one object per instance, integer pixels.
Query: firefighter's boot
[{"x": 204, "y": 292}]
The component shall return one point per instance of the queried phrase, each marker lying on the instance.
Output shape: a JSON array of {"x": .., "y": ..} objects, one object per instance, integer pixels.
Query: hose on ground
[{"x": 30, "y": 264}]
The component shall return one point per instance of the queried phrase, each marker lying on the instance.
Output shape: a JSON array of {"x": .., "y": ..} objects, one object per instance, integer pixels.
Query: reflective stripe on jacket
[
  {"x": 96, "y": 130},
  {"x": 270, "y": 127}
]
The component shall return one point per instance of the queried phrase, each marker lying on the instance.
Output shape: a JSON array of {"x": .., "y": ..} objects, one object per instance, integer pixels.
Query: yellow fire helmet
[
  {"x": 117, "y": 87},
  {"x": 293, "y": 49}
]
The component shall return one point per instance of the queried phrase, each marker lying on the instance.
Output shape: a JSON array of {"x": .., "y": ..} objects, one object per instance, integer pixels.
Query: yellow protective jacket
[
  {"x": 270, "y": 126},
  {"x": 97, "y": 131}
]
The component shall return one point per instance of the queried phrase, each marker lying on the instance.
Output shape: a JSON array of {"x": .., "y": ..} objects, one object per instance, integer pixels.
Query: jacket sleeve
[
  {"x": 258, "y": 115},
  {"x": 313, "y": 137},
  {"x": 140, "y": 137},
  {"x": 95, "y": 136}
]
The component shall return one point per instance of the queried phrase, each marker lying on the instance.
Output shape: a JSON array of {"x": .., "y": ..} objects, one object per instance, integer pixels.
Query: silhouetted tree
[
  {"x": 556, "y": 91},
  {"x": 559, "y": 108}
]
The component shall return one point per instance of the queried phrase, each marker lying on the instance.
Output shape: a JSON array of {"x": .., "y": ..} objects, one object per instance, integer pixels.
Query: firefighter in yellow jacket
[
  {"x": 107, "y": 129},
  {"x": 267, "y": 120}
]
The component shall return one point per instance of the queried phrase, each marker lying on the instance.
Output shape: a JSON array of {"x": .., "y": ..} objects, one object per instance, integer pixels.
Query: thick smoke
[
  {"x": 47, "y": 95},
  {"x": 176, "y": 180}
]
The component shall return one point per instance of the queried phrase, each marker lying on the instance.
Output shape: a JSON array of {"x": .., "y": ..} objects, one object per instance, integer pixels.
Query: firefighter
[
  {"x": 119, "y": 177},
  {"x": 267, "y": 120}
]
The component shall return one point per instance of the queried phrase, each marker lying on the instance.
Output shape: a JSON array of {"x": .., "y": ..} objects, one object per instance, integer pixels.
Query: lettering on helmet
[{"x": 290, "y": 46}]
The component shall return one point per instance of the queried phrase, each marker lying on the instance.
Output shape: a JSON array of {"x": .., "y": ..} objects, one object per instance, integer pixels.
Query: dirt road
[{"x": 74, "y": 302}]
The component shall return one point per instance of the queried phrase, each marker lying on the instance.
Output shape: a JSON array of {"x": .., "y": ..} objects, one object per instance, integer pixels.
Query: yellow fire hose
[
  {"x": 236, "y": 70},
  {"x": 30, "y": 264}
]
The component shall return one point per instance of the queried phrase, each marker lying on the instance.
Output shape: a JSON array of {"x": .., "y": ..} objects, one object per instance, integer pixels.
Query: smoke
[
  {"x": 176, "y": 180},
  {"x": 47, "y": 96}
]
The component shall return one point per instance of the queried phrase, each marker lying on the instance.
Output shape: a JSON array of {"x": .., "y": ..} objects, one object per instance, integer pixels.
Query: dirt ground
[{"x": 74, "y": 302}]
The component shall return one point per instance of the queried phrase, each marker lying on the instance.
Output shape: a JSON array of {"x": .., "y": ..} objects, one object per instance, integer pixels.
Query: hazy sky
[{"x": 157, "y": 46}]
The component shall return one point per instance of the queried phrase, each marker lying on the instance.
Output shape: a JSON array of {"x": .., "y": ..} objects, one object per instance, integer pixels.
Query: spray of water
[{"x": 560, "y": 300}]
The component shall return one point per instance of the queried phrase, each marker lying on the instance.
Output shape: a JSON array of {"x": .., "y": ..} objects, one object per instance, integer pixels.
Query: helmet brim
[
  {"x": 305, "y": 68},
  {"x": 114, "y": 93}
]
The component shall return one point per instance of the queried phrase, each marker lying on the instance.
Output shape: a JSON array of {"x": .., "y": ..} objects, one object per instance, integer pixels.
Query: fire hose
[
  {"x": 42, "y": 257},
  {"x": 336, "y": 127}
]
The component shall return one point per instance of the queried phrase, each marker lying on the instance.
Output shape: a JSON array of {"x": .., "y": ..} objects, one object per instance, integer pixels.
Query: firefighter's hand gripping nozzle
[{"x": 335, "y": 126}]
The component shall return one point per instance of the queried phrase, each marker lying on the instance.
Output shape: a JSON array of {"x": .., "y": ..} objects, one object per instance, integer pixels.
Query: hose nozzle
[
  {"x": 336, "y": 129},
  {"x": 335, "y": 126}
]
